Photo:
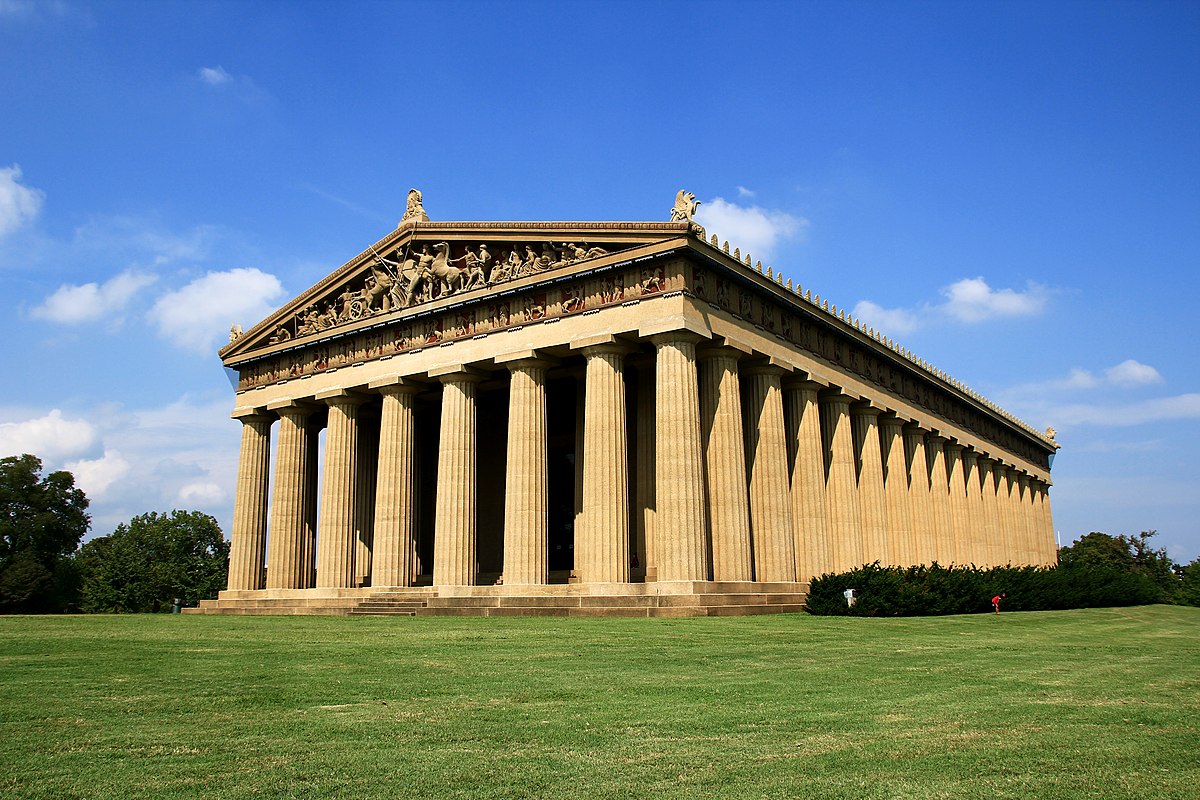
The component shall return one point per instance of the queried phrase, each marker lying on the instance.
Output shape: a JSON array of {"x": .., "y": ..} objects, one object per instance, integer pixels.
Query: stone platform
[{"x": 662, "y": 599}]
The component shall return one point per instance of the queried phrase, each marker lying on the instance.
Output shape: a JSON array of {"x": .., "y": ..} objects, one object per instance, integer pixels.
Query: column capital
[
  {"x": 764, "y": 366},
  {"x": 252, "y": 415},
  {"x": 396, "y": 385},
  {"x": 457, "y": 373},
  {"x": 293, "y": 408},
  {"x": 341, "y": 397},
  {"x": 865, "y": 408},
  {"x": 600, "y": 344},
  {"x": 797, "y": 381},
  {"x": 835, "y": 396},
  {"x": 525, "y": 358},
  {"x": 953, "y": 446},
  {"x": 675, "y": 337},
  {"x": 936, "y": 441}
]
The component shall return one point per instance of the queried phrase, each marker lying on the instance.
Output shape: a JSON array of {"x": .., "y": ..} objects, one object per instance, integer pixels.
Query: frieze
[
  {"x": 540, "y": 303},
  {"x": 419, "y": 272}
]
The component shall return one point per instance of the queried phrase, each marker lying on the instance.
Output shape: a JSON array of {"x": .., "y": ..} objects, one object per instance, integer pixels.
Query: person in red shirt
[{"x": 996, "y": 601}]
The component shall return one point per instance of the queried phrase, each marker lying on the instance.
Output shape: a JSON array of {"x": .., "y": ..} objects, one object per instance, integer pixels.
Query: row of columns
[{"x": 777, "y": 480}]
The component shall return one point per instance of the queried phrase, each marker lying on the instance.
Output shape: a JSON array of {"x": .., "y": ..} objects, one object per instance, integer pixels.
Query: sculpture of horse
[{"x": 450, "y": 278}]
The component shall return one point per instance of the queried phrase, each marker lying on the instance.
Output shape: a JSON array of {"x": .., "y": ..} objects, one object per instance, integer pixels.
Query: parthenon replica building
[{"x": 599, "y": 418}]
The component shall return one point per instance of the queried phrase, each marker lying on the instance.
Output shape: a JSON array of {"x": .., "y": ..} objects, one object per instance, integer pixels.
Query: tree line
[{"x": 144, "y": 565}]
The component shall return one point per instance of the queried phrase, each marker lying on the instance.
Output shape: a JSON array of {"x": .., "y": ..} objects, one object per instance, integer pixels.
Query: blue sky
[{"x": 1011, "y": 190}]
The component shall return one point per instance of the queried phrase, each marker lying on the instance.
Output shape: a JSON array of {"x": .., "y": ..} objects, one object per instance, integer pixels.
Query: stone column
[
  {"x": 1025, "y": 515},
  {"x": 679, "y": 524},
  {"x": 339, "y": 491},
  {"x": 1009, "y": 499},
  {"x": 975, "y": 520},
  {"x": 647, "y": 450},
  {"x": 1047, "y": 521},
  {"x": 725, "y": 459},
  {"x": 602, "y": 546},
  {"x": 869, "y": 461},
  {"x": 770, "y": 503},
  {"x": 364, "y": 527},
  {"x": 991, "y": 480},
  {"x": 809, "y": 516},
  {"x": 454, "y": 510},
  {"x": 895, "y": 489},
  {"x": 924, "y": 548},
  {"x": 527, "y": 499},
  {"x": 939, "y": 493},
  {"x": 841, "y": 491},
  {"x": 248, "y": 537},
  {"x": 395, "y": 488},
  {"x": 959, "y": 543},
  {"x": 289, "y": 557}
]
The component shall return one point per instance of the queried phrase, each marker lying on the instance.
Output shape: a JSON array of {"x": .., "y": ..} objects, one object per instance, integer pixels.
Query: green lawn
[{"x": 1095, "y": 703}]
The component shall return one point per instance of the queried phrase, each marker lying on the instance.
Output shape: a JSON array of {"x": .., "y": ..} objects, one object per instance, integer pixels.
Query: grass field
[{"x": 1095, "y": 703}]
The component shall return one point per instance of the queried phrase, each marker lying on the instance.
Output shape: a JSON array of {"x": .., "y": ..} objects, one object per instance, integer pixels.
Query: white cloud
[
  {"x": 203, "y": 493},
  {"x": 128, "y": 462},
  {"x": 969, "y": 300},
  {"x": 1132, "y": 373},
  {"x": 88, "y": 302},
  {"x": 51, "y": 437},
  {"x": 18, "y": 204},
  {"x": 744, "y": 192},
  {"x": 751, "y": 229},
  {"x": 95, "y": 476},
  {"x": 1159, "y": 409},
  {"x": 198, "y": 315},
  {"x": 214, "y": 76},
  {"x": 892, "y": 320},
  {"x": 972, "y": 300}
]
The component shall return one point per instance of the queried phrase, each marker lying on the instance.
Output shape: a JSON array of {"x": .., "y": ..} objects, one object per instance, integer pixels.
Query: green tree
[
  {"x": 1189, "y": 583},
  {"x": 145, "y": 565},
  {"x": 42, "y": 520},
  {"x": 1098, "y": 550}
]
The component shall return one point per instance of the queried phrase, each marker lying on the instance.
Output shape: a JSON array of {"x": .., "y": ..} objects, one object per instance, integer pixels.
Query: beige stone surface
[
  {"x": 249, "y": 535},
  {"x": 728, "y": 499},
  {"x": 680, "y": 524},
  {"x": 766, "y": 459}
]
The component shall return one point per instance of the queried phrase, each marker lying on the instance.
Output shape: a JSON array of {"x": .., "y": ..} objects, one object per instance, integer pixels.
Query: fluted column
[
  {"x": 770, "y": 504},
  {"x": 959, "y": 550},
  {"x": 1047, "y": 522},
  {"x": 526, "y": 500},
  {"x": 725, "y": 460},
  {"x": 924, "y": 548},
  {"x": 869, "y": 460},
  {"x": 602, "y": 546},
  {"x": 395, "y": 488},
  {"x": 895, "y": 490},
  {"x": 339, "y": 492},
  {"x": 289, "y": 557},
  {"x": 1003, "y": 541},
  {"x": 679, "y": 495},
  {"x": 647, "y": 450},
  {"x": 454, "y": 511},
  {"x": 1028, "y": 529},
  {"x": 974, "y": 540},
  {"x": 841, "y": 490},
  {"x": 994, "y": 543},
  {"x": 809, "y": 516},
  {"x": 939, "y": 494},
  {"x": 1008, "y": 497},
  {"x": 248, "y": 537}
]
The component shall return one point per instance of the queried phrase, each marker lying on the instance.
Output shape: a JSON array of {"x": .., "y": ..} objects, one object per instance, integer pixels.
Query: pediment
[{"x": 423, "y": 265}]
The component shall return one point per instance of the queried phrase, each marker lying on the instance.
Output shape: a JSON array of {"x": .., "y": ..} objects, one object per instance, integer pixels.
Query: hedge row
[{"x": 934, "y": 590}]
